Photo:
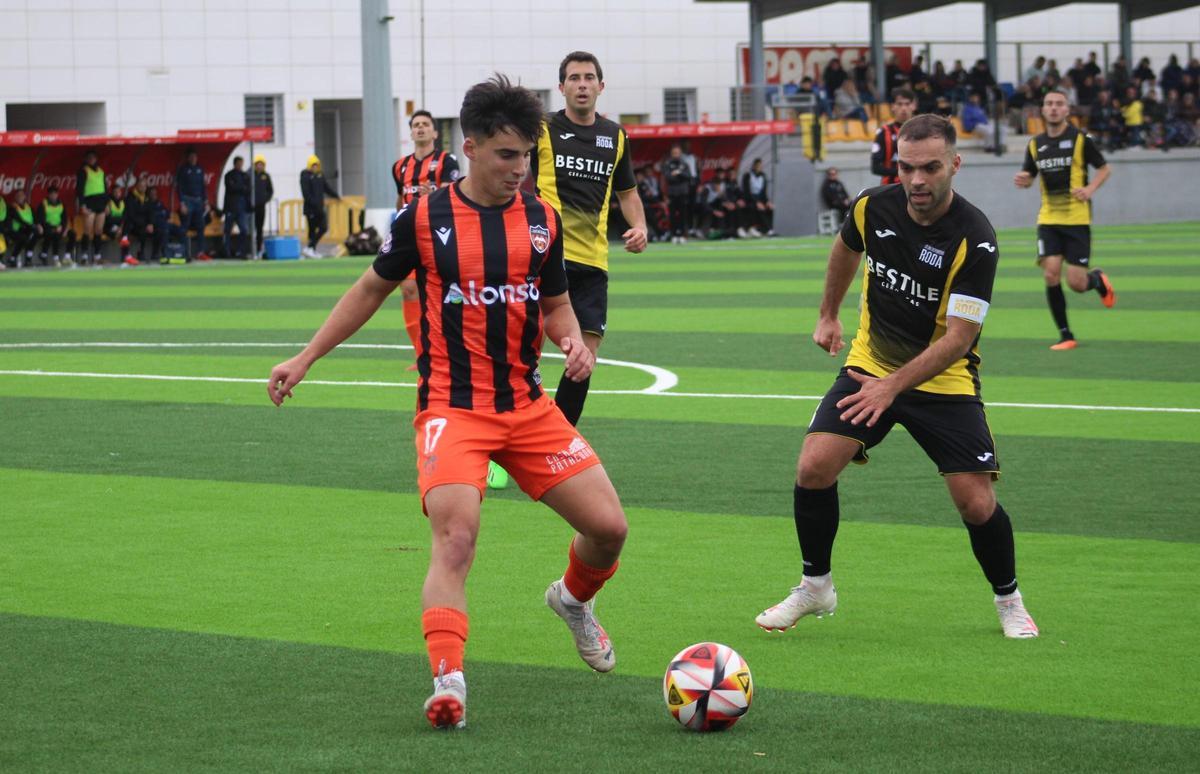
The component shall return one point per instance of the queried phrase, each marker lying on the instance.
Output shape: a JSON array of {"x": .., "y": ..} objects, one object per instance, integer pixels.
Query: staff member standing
[
  {"x": 264, "y": 192},
  {"x": 193, "y": 203},
  {"x": 314, "y": 189}
]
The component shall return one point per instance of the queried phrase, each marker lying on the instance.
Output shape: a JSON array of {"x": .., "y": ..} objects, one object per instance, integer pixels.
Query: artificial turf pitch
[{"x": 193, "y": 579}]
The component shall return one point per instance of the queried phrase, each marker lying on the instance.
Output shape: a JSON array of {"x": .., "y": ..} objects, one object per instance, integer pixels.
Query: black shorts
[
  {"x": 588, "y": 290},
  {"x": 97, "y": 203},
  {"x": 953, "y": 432},
  {"x": 1073, "y": 243}
]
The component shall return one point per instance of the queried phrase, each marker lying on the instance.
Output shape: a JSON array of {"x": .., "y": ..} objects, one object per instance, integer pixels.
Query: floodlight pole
[
  {"x": 758, "y": 86},
  {"x": 379, "y": 116}
]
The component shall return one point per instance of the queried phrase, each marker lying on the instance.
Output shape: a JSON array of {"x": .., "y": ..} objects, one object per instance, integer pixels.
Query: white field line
[{"x": 664, "y": 378}]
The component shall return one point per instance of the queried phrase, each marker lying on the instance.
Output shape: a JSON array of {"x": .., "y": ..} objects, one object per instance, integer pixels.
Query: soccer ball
[{"x": 707, "y": 687}]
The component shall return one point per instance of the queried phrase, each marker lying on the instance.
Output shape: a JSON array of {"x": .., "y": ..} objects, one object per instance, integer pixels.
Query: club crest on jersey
[
  {"x": 932, "y": 256},
  {"x": 604, "y": 141},
  {"x": 540, "y": 237}
]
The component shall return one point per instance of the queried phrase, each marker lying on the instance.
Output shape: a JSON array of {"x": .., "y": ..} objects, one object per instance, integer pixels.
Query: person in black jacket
[
  {"x": 138, "y": 218},
  {"x": 314, "y": 189},
  {"x": 678, "y": 177},
  {"x": 264, "y": 192},
  {"x": 237, "y": 206},
  {"x": 834, "y": 194}
]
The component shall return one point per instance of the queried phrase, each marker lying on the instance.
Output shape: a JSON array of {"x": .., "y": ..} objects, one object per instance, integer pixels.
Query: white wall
[{"x": 162, "y": 65}]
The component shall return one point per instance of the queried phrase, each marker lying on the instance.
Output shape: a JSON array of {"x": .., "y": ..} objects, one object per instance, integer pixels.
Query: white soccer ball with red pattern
[{"x": 707, "y": 687}]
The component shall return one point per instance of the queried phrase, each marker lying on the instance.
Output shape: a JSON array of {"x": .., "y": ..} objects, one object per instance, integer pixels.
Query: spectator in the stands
[
  {"x": 861, "y": 72},
  {"x": 1085, "y": 94},
  {"x": 894, "y": 75},
  {"x": 980, "y": 80},
  {"x": 975, "y": 122},
  {"x": 847, "y": 106},
  {"x": 1035, "y": 70},
  {"x": 1172, "y": 75},
  {"x": 834, "y": 194},
  {"x": 1143, "y": 71},
  {"x": 1052, "y": 70},
  {"x": 834, "y": 76},
  {"x": 1118, "y": 76},
  {"x": 1132, "y": 112},
  {"x": 314, "y": 189},
  {"x": 1091, "y": 67}
]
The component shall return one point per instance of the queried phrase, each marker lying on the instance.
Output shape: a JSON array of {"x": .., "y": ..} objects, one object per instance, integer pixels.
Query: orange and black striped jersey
[
  {"x": 883, "y": 153},
  {"x": 410, "y": 173},
  {"x": 480, "y": 273}
]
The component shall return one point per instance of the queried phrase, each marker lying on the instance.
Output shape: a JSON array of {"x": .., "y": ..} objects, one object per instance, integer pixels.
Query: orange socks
[
  {"x": 445, "y": 637},
  {"x": 412, "y": 324},
  {"x": 583, "y": 581}
]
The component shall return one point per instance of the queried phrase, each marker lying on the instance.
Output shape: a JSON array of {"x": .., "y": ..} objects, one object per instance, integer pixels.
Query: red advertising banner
[
  {"x": 715, "y": 146},
  {"x": 35, "y": 161},
  {"x": 790, "y": 63}
]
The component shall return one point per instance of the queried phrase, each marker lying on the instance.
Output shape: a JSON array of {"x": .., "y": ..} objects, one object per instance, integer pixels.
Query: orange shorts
[{"x": 536, "y": 445}]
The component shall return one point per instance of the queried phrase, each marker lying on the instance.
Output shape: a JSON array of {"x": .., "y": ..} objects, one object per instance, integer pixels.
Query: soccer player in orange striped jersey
[
  {"x": 419, "y": 173},
  {"x": 491, "y": 282}
]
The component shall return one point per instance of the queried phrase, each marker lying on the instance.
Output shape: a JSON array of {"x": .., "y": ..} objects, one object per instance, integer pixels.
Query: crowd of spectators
[
  {"x": 1123, "y": 107},
  {"x": 680, "y": 206}
]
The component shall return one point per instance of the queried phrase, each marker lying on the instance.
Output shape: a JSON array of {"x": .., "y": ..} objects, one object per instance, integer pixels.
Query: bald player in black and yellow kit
[
  {"x": 581, "y": 160},
  {"x": 1062, "y": 155},
  {"x": 927, "y": 284}
]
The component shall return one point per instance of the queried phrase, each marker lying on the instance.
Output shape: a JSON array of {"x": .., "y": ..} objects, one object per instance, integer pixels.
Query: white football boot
[
  {"x": 1014, "y": 618},
  {"x": 447, "y": 707},
  {"x": 806, "y": 599},
  {"x": 590, "y": 638}
]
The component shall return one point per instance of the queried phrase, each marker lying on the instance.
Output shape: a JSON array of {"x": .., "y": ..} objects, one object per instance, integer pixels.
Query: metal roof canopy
[
  {"x": 1129, "y": 11},
  {"x": 1141, "y": 9}
]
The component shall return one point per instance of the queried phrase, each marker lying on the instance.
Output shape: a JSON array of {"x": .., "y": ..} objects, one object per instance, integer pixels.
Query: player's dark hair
[
  {"x": 928, "y": 125},
  {"x": 1057, "y": 90},
  {"x": 497, "y": 105},
  {"x": 900, "y": 92},
  {"x": 579, "y": 56},
  {"x": 418, "y": 114}
]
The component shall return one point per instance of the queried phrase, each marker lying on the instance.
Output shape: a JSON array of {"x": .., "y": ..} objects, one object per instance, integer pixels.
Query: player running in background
[
  {"x": 489, "y": 270},
  {"x": 419, "y": 173},
  {"x": 581, "y": 159},
  {"x": 1062, "y": 154},
  {"x": 931, "y": 262},
  {"x": 883, "y": 150}
]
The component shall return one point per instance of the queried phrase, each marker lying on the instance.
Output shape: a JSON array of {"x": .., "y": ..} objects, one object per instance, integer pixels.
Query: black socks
[
  {"x": 816, "y": 514},
  {"x": 1058, "y": 309},
  {"x": 570, "y": 397},
  {"x": 992, "y": 543}
]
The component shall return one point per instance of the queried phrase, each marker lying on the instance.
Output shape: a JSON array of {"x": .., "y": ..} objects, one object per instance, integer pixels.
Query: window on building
[
  {"x": 679, "y": 106},
  {"x": 266, "y": 110}
]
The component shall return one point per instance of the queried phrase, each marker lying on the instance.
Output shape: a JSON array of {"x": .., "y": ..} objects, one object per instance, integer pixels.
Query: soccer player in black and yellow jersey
[
  {"x": 1062, "y": 155},
  {"x": 581, "y": 160},
  {"x": 927, "y": 284}
]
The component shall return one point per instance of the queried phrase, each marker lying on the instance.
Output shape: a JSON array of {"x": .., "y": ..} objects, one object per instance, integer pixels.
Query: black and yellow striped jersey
[
  {"x": 914, "y": 277},
  {"x": 576, "y": 169},
  {"x": 1063, "y": 162}
]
